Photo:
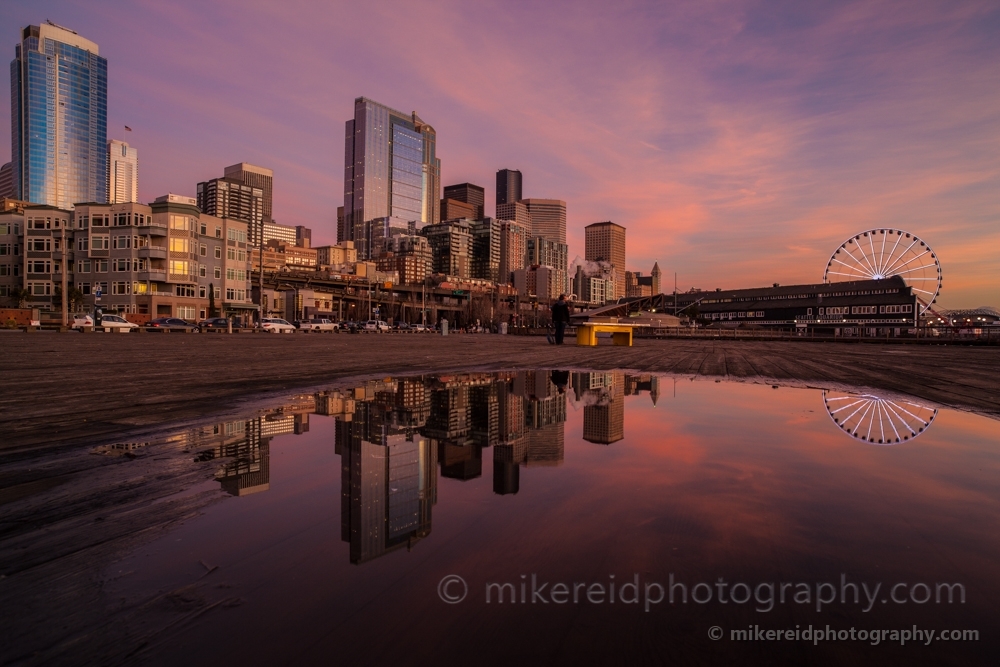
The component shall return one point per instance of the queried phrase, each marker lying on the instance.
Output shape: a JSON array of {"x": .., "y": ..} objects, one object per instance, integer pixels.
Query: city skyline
[{"x": 760, "y": 168}]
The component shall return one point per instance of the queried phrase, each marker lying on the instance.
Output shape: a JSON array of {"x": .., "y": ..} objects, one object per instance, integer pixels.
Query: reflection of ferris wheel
[
  {"x": 878, "y": 420},
  {"x": 882, "y": 253}
]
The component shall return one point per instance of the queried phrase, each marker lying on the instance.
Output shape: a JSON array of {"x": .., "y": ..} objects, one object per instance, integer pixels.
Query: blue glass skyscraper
[
  {"x": 391, "y": 168},
  {"x": 59, "y": 118}
]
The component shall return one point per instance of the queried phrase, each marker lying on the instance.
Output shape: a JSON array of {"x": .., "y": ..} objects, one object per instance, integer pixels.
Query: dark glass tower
[
  {"x": 59, "y": 118},
  {"x": 468, "y": 194},
  {"x": 508, "y": 186}
]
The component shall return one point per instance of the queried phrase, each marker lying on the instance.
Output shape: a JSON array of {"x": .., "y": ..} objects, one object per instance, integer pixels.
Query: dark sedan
[
  {"x": 166, "y": 324},
  {"x": 217, "y": 324}
]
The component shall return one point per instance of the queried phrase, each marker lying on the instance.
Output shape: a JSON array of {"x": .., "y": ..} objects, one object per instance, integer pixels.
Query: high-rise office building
[
  {"x": 486, "y": 238},
  {"x": 508, "y": 186},
  {"x": 548, "y": 219},
  {"x": 59, "y": 118},
  {"x": 513, "y": 248},
  {"x": 255, "y": 177},
  {"x": 656, "y": 275},
  {"x": 342, "y": 234},
  {"x": 391, "y": 167},
  {"x": 470, "y": 194},
  {"x": 605, "y": 242},
  {"x": 453, "y": 209},
  {"x": 451, "y": 242},
  {"x": 123, "y": 173},
  {"x": 231, "y": 198},
  {"x": 7, "y": 181},
  {"x": 303, "y": 236},
  {"x": 515, "y": 211},
  {"x": 555, "y": 255}
]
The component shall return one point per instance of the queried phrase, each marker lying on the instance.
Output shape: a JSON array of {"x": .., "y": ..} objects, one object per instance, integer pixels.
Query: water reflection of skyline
[{"x": 396, "y": 436}]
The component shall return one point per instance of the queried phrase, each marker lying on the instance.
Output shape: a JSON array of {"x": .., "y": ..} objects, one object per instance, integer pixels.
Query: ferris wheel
[
  {"x": 880, "y": 420},
  {"x": 882, "y": 253}
]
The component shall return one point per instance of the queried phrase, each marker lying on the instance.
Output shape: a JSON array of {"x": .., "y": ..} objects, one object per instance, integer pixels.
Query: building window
[
  {"x": 218, "y": 273},
  {"x": 201, "y": 270},
  {"x": 218, "y": 252},
  {"x": 179, "y": 267},
  {"x": 218, "y": 232},
  {"x": 181, "y": 222},
  {"x": 179, "y": 245},
  {"x": 185, "y": 312},
  {"x": 201, "y": 291},
  {"x": 203, "y": 251}
]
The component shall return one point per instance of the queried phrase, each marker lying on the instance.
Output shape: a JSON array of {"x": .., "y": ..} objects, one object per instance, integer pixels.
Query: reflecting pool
[{"x": 545, "y": 517}]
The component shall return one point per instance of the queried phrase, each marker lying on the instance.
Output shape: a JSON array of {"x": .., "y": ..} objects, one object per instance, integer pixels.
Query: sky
[{"x": 739, "y": 142}]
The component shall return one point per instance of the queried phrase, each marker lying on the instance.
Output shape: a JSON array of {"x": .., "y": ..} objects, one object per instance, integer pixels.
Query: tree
[
  {"x": 19, "y": 295},
  {"x": 75, "y": 299},
  {"x": 211, "y": 300}
]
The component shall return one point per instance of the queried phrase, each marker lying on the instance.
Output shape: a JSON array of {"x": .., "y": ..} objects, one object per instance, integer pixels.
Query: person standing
[{"x": 560, "y": 318}]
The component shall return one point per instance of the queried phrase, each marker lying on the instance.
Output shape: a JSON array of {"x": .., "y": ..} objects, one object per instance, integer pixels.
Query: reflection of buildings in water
[
  {"x": 636, "y": 384},
  {"x": 388, "y": 479},
  {"x": 603, "y": 418},
  {"x": 546, "y": 445},
  {"x": 878, "y": 419},
  {"x": 484, "y": 404},
  {"x": 462, "y": 462},
  {"x": 506, "y": 467},
  {"x": 246, "y": 469}
]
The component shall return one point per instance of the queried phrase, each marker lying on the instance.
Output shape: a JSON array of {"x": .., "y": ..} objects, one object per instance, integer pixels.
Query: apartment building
[{"x": 164, "y": 259}]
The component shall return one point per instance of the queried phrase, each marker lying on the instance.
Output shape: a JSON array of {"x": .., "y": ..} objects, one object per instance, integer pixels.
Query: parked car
[
  {"x": 217, "y": 324},
  {"x": 402, "y": 326},
  {"x": 166, "y": 324},
  {"x": 319, "y": 324},
  {"x": 82, "y": 320},
  {"x": 276, "y": 325},
  {"x": 418, "y": 327},
  {"x": 378, "y": 326},
  {"x": 117, "y": 323}
]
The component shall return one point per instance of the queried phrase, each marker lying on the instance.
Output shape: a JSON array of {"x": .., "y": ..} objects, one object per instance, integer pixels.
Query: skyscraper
[
  {"x": 513, "y": 248},
  {"x": 508, "y": 186},
  {"x": 548, "y": 219},
  {"x": 470, "y": 194},
  {"x": 605, "y": 242},
  {"x": 59, "y": 118},
  {"x": 230, "y": 198},
  {"x": 515, "y": 211},
  {"x": 123, "y": 173},
  {"x": 453, "y": 209},
  {"x": 7, "y": 181},
  {"x": 391, "y": 167},
  {"x": 255, "y": 177}
]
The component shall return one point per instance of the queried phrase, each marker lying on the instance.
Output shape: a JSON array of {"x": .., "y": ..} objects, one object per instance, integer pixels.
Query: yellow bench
[{"x": 586, "y": 333}]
